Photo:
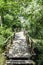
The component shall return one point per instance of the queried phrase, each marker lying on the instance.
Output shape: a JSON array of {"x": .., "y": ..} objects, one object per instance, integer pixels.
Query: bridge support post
[{"x": 11, "y": 40}]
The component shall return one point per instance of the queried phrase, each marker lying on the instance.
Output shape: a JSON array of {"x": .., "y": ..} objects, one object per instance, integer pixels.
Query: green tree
[{"x": 33, "y": 14}]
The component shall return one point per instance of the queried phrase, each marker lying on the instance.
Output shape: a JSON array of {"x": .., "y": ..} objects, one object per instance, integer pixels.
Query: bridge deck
[
  {"x": 19, "y": 47},
  {"x": 19, "y": 53}
]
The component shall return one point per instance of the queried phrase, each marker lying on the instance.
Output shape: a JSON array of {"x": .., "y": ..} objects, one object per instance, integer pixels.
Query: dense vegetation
[
  {"x": 33, "y": 24},
  {"x": 11, "y": 12}
]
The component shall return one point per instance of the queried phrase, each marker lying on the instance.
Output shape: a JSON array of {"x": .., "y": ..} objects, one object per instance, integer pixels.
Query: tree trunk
[
  {"x": 2, "y": 19},
  {"x": 0, "y": 22}
]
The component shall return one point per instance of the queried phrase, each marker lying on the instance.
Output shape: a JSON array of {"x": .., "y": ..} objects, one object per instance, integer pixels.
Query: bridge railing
[
  {"x": 8, "y": 42},
  {"x": 29, "y": 40}
]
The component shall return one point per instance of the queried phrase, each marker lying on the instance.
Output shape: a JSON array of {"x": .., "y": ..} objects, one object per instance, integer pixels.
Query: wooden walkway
[{"x": 19, "y": 52}]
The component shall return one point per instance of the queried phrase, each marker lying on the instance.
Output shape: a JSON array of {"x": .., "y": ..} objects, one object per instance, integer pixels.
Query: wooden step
[
  {"x": 19, "y": 62},
  {"x": 14, "y": 57}
]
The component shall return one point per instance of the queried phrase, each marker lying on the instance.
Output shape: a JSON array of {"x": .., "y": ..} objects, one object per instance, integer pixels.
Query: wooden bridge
[{"x": 19, "y": 52}]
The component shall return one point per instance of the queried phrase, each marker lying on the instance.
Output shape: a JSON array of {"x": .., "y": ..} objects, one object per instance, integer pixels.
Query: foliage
[
  {"x": 4, "y": 34},
  {"x": 39, "y": 46},
  {"x": 30, "y": 10},
  {"x": 8, "y": 20},
  {"x": 2, "y": 59},
  {"x": 33, "y": 15},
  {"x": 33, "y": 23},
  {"x": 9, "y": 12},
  {"x": 2, "y": 39}
]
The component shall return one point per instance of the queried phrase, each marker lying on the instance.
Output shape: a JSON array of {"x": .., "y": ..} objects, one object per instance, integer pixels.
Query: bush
[
  {"x": 6, "y": 33},
  {"x": 39, "y": 45},
  {"x": 2, "y": 39}
]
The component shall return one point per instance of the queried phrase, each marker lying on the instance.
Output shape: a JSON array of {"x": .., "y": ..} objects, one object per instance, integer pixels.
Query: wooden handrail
[
  {"x": 9, "y": 38},
  {"x": 31, "y": 41}
]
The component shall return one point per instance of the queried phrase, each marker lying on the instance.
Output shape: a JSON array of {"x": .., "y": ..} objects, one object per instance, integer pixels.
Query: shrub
[
  {"x": 6, "y": 33},
  {"x": 2, "y": 39},
  {"x": 39, "y": 45}
]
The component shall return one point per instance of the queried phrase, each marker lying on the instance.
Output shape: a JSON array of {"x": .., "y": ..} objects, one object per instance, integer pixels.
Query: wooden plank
[{"x": 12, "y": 62}]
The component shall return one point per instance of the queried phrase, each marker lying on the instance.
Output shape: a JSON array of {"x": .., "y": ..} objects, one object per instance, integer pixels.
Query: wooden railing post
[
  {"x": 31, "y": 46},
  {"x": 14, "y": 35},
  {"x": 12, "y": 39},
  {"x": 27, "y": 37},
  {"x": 29, "y": 41}
]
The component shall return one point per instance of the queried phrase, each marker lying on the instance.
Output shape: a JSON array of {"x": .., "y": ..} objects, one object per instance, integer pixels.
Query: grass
[{"x": 2, "y": 58}]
